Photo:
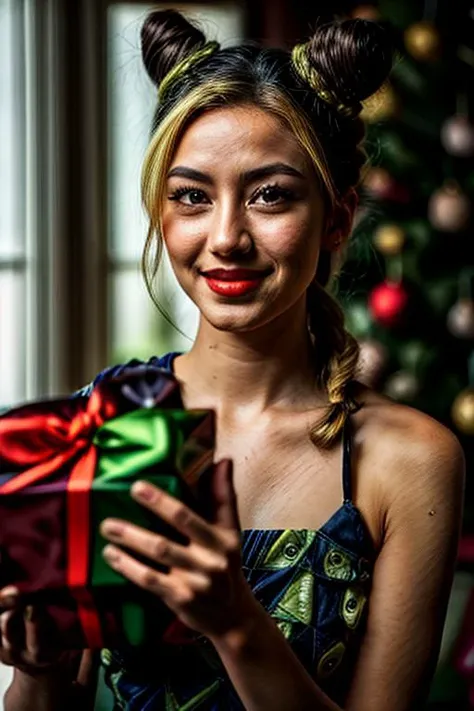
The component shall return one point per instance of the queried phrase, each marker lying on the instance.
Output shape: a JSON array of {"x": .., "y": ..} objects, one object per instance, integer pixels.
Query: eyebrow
[{"x": 182, "y": 171}]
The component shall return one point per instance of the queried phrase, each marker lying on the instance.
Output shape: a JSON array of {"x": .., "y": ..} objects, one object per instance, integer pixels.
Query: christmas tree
[{"x": 407, "y": 286}]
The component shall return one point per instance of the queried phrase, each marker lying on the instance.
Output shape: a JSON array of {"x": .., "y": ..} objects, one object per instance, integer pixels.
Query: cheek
[
  {"x": 293, "y": 239},
  {"x": 183, "y": 237}
]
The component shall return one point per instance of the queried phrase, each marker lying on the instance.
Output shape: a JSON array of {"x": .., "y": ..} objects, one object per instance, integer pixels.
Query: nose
[{"x": 229, "y": 232}]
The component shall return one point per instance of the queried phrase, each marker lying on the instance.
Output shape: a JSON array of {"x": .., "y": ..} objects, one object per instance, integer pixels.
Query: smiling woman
[
  {"x": 258, "y": 182},
  {"x": 320, "y": 579}
]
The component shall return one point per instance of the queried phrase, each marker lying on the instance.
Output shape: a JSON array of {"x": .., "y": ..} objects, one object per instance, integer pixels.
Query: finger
[
  {"x": 9, "y": 597},
  {"x": 136, "y": 572},
  {"x": 35, "y": 637},
  {"x": 4, "y": 621},
  {"x": 88, "y": 667},
  {"x": 226, "y": 512},
  {"x": 175, "y": 513},
  {"x": 12, "y": 630},
  {"x": 150, "y": 545}
]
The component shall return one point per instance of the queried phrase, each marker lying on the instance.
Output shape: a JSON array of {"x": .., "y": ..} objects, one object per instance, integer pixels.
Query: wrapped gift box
[{"x": 65, "y": 466}]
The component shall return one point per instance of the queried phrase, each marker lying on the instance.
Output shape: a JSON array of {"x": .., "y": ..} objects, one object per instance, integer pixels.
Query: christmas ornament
[
  {"x": 389, "y": 239},
  {"x": 449, "y": 209},
  {"x": 460, "y": 320},
  {"x": 402, "y": 385},
  {"x": 373, "y": 360},
  {"x": 462, "y": 411},
  {"x": 416, "y": 356},
  {"x": 358, "y": 319},
  {"x": 423, "y": 41},
  {"x": 457, "y": 136},
  {"x": 366, "y": 12},
  {"x": 382, "y": 186},
  {"x": 382, "y": 105},
  {"x": 388, "y": 302}
]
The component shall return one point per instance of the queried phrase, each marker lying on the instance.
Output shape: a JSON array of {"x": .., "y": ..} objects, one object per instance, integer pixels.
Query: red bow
[{"x": 46, "y": 442}]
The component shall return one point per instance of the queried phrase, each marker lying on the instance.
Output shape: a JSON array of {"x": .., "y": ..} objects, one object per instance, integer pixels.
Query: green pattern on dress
[
  {"x": 191, "y": 704},
  {"x": 288, "y": 549}
]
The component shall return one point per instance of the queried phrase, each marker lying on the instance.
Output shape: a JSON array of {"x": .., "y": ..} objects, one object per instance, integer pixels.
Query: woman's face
[{"x": 243, "y": 217}]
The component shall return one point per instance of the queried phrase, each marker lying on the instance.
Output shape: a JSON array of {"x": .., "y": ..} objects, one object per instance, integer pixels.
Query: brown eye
[
  {"x": 273, "y": 195},
  {"x": 195, "y": 197},
  {"x": 189, "y": 196}
]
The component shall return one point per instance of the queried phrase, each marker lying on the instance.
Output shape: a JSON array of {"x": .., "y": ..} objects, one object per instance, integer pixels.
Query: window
[
  {"x": 136, "y": 328},
  {"x": 13, "y": 243}
]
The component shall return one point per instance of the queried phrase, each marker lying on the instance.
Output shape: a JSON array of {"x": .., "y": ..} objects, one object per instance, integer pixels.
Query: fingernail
[
  {"x": 8, "y": 597},
  {"x": 112, "y": 529},
  {"x": 111, "y": 554},
  {"x": 29, "y": 613},
  {"x": 142, "y": 490}
]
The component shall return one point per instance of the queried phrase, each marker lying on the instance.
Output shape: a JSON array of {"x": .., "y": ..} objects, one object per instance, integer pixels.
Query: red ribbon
[{"x": 34, "y": 440}]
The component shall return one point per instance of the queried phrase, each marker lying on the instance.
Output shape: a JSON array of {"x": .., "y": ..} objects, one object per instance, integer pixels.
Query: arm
[
  {"x": 411, "y": 585},
  {"x": 63, "y": 686}
]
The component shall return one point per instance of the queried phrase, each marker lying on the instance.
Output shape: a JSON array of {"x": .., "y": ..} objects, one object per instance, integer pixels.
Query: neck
[{"x": 251, "y": 372}]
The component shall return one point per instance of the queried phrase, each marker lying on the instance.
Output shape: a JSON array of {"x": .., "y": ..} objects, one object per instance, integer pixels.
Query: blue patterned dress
[{"x": 314, "y": 583}]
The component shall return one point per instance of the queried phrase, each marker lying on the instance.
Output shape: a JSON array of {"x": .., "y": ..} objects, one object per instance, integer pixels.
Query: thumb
[{"x": 224, "y": 497}]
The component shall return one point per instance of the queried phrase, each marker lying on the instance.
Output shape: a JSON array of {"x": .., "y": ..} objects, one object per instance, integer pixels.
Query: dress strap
[
  {"x": 165, "y": 361},
  {"x": 346, "y": 460}
]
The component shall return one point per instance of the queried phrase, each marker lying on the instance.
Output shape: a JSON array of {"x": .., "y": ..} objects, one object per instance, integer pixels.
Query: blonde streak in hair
[{"x": 157, "y": 160}]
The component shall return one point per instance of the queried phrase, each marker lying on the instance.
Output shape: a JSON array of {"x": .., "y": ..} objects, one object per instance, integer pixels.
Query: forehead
[{"x": 238, "y": 135}]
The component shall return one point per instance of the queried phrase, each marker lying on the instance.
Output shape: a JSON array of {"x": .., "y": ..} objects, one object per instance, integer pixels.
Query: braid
[{"x": 337, "y": 359}]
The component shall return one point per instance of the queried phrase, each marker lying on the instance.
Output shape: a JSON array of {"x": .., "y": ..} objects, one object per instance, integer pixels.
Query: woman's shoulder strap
[{"x": 347, "y": 460}]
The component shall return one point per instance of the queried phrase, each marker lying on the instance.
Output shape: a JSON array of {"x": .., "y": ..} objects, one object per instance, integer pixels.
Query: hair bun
[
  {"x": 352, "y": 57},
  {"x": 166, "y": 38}
]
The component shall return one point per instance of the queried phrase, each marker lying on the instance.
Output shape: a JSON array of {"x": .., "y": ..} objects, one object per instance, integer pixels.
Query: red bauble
[{"x": 387, "y": 303}]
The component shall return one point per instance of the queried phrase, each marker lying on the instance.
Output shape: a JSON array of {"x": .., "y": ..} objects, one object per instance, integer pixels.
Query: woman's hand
[
  {"x": 46, "y": 678},
  {"x": 26, "y": 635},
  {"x": 205, "y": 586}
]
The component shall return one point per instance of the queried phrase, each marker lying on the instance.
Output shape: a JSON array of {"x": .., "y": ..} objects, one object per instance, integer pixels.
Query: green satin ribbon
[
  {"x": 140, "y": 439},
  {"x": 153, "y": 445}
]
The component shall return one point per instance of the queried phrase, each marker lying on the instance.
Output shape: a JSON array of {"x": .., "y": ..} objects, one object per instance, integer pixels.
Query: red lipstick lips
[{"x": 234, "y": 282}]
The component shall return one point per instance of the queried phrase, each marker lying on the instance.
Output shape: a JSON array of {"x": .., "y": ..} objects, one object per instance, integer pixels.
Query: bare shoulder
[{"x": 410, "y": 461}]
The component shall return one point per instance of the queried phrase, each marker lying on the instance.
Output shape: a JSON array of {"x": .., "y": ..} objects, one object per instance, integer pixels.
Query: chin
[{"x": 240, "y": 318}]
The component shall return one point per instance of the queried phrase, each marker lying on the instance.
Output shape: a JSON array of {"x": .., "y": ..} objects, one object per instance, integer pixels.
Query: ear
[{"x": 339, "y": 224}]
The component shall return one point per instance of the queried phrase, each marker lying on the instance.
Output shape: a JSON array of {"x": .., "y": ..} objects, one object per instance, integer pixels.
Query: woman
[{"x": 336, "y": 597}]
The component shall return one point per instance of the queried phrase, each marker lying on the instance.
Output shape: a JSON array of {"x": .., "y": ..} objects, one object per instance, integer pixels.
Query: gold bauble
[
  {"x": 380, "y": 106},
  {"x": 389, "y": 239},
  {"x": 366, "y": 12},
  {"x": 423, "y": 41},
  {"x": 462, "y": 411}
]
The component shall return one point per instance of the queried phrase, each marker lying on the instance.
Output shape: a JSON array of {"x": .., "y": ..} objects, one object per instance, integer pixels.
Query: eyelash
[
  {"x": 184, "y": 190},
  {"x": 285, "y": 193}
]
